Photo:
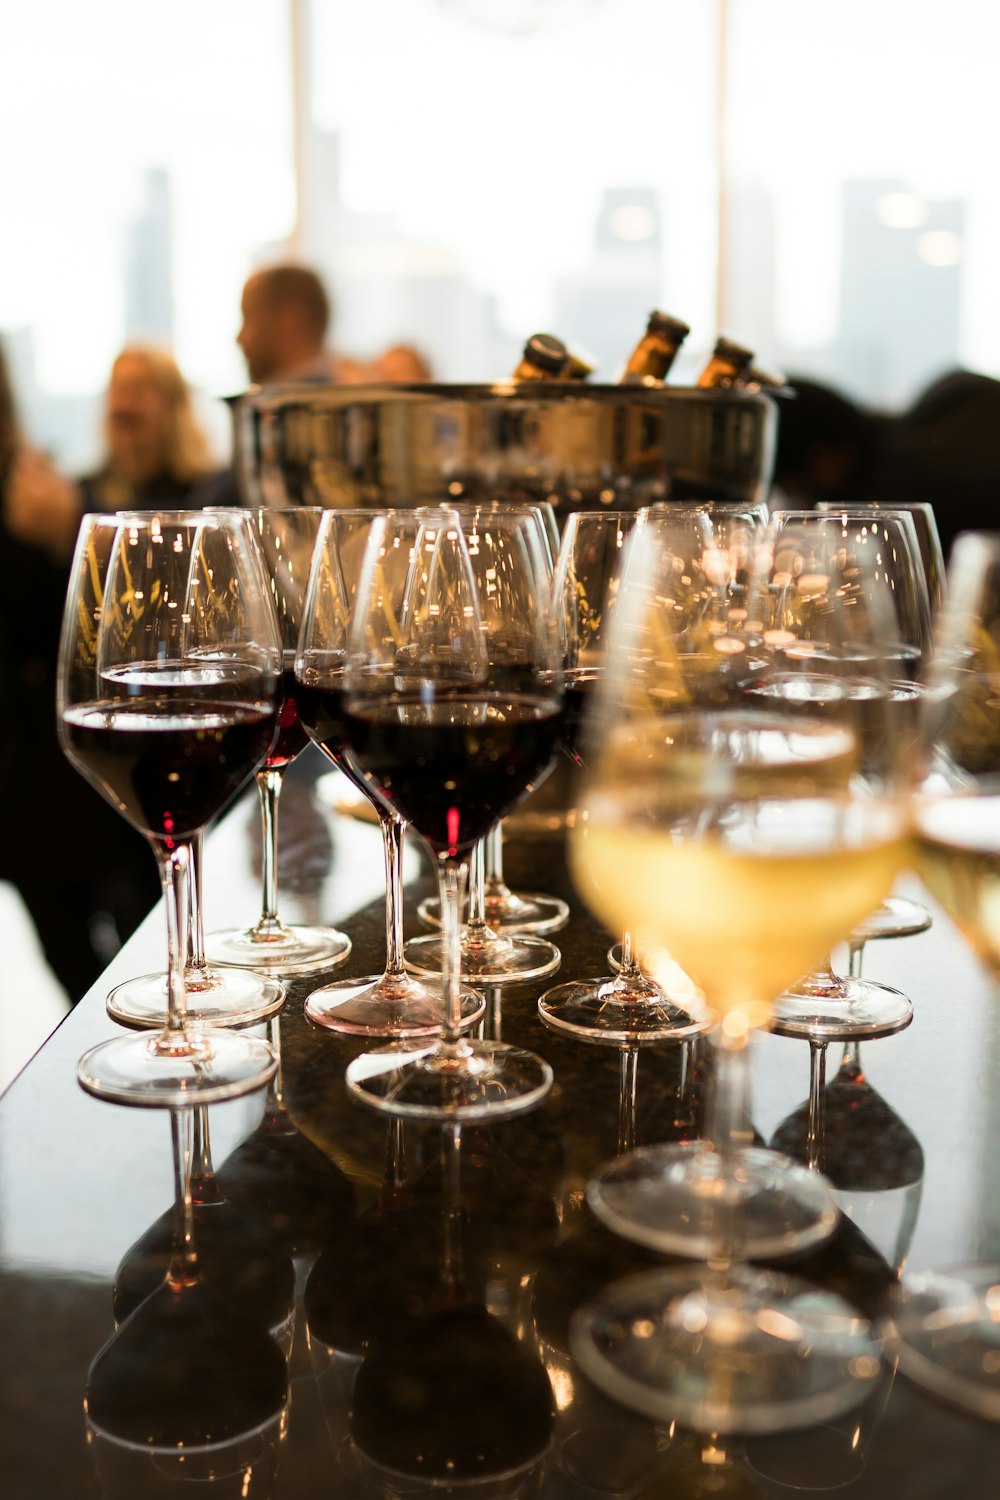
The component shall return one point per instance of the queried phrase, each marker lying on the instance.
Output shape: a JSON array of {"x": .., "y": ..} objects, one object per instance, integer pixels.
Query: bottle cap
[
  {"x": 732, "y": 352},
  {"x": 546, "y": 352},
  {"x": 673, "y": 328}
]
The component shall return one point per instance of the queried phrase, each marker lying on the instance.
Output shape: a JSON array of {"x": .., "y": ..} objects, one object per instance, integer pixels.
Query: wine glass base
[
  {"x": 231, "y": 997},
  {"x": 749, "y": 1352},
  {"x": 135, "y": 1070},
  {"x": 896, "y": 917},
  {"x": 947, "y": 1337},
  {"x": 510, "y": 912},
  {"x": 688, "y": 1200},
  {"x": 378, "y": 1005},
  {"x": 615, "y": 1013},
  {"x": 482, "y": 1080},
  {"x": 506, "y": 960},
  {"x": 291, "y": 950},
  {"x": 855, "y": 1009}
]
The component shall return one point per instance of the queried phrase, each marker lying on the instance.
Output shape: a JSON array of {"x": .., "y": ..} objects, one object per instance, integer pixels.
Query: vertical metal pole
[{"x": 721, "y": 161}]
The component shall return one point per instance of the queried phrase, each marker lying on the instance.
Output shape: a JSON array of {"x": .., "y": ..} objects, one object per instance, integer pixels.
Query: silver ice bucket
[{"x": 577, "y": 446}]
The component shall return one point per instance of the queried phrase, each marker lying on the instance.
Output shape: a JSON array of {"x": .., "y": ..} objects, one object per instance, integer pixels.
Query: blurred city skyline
[{"x": 502, "y": 185}]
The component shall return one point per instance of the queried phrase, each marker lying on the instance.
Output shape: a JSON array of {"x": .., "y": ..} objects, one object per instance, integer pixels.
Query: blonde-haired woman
[{"x": 155, "y": 453}]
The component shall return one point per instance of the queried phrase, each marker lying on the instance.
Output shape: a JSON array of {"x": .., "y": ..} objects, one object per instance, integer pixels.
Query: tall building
[
  {"x": 149, "y": 298},
  {"x": 900, "y": 290}
]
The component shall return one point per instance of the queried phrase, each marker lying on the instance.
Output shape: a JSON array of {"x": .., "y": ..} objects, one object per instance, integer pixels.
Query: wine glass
[
  {"x": 946, "y": 1320},
  {"x": 287, "y": 539},
  {"x": 873, "y": 553},
  {"x": 740, "y": 837},
  {"x": 630, "y": 1006},
  {"x": 928, "y": 536},
  {"x": 502, "y": 910},
  {"x": 898, "y": 916},
  {"x": 489, "y": 957},
  {"x": 169, "y": 674},
  {"x": 627, "y": 1007},
  {"x": 392, "y": 1003},
  {"x": 451, "y": 712}
]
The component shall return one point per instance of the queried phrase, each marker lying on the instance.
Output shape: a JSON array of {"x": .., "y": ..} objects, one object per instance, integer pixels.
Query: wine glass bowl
[{"x": 167, "y": 703}]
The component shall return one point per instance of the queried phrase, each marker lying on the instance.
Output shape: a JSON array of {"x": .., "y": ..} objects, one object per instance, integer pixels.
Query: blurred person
[
  {"x": 84, "y": 876},
  {"x": 286, "y": 317},
  {"x": 155, "y": 453},
  {"x": 401, "y": 362},
  {"x": 941, "y": 450}
]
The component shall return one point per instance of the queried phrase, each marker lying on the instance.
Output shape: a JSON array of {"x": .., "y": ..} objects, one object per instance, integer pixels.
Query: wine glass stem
[
  {"x": 196, "y": 915},
  {"x": 630, "y": 964},
  {"x": 817, "y": 1106},
  {"x": 269, "y": 782},
  {"x": 452, "y": 877},
  {"x": 627, "y": 1081},
  {"x": 452, "y": 1269},
  {"x": 477, "y": 890},
  {"x": 729, "y": 1127},
  {"x": 493, "y": 882},
  {"x": 393, "y": 829},
  {"x": 183, "y": 1260},
  {"x": 175, "y": 872},
  {"x": 855, "y": 958}
]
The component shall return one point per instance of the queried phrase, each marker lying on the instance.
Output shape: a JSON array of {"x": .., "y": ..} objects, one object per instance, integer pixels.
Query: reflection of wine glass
[
  {"x": 236, "y": 1263},
  {"x": 947, "y": 1320},
  {"x": 392, "y": 1003},
  {"x": 491, "y": 957},
  {"x": 742, "y": 840},
  {"x": 169, "y": 674},
  {"x": 871, "y": 1158},
  {"x": 829, "y": 1457},
  {"x": 874, "y": 666},
  {"x": 287, "y": 539},
  {"x": 448, "y": 1398},
  {"x": 451, "y": 712},
  {"x": 286, "y": 1186},
  {"x": 190, "y": 1387}
]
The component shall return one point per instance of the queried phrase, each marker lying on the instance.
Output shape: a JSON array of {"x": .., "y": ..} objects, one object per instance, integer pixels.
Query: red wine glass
[
  {"x": 168, "y": 692},
  {"x": 451, "y": 712},
  {"x": 393, "y": 1003},
  {"x": 287, "y": 539}
]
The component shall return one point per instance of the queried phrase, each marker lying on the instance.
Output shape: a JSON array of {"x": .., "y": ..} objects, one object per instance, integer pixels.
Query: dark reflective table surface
[{"x": 411, "y": 1291}]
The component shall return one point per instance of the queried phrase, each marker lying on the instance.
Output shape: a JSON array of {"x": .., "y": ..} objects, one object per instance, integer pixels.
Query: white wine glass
[
  {"x": 167, "y": 702},
  {"x": 879, "y": 667},
  {"x": 742, "y": 839}
]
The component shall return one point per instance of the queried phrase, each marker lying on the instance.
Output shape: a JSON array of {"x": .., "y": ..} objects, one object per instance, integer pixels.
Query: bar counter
[{"x": 422, "y": 1296}]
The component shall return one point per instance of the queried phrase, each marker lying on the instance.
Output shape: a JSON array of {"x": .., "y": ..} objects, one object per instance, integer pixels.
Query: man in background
[{"x": 286, "y": 317}]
